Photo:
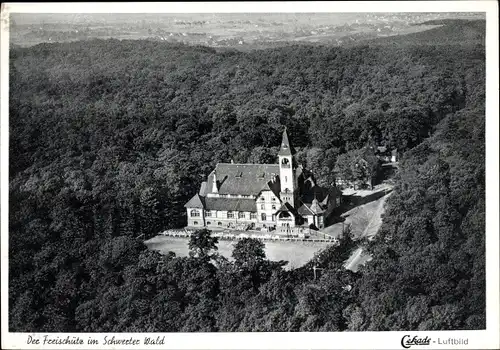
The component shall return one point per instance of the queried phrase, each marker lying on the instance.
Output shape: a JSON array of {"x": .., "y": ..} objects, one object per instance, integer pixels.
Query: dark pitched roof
[
  {"x": 304, "y": 210},
  {"x": 300, "y": 171},
  {"x": 230, "y": 204},
  {"x": 316, "y": 207},
  {"x": 203, "y": 189},
  {"x": 244, "y": 179},
  {"x": 318, "y": 192},
  {"x": 285, "y": 149},
  {"x": 195, "y": 202},
  {"x": 287, "y": 207},
  {"x": 311, "y": 209},
  {"x": 325, "y": 200}
]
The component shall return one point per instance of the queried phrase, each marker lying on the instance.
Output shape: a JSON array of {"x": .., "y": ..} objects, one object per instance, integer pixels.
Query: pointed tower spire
[{"x": 285, "y": 149}]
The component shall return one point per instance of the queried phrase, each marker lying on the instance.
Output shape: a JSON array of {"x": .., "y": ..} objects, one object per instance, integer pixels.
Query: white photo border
[{"x": 488, "y": 338}]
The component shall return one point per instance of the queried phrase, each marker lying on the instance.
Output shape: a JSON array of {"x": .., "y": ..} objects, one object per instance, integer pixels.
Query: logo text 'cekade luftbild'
[{"x": 407, "y": 341}]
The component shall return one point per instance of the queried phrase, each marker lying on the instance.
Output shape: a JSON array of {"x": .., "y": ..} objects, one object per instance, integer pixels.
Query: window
[
  {"x": 273, "y": 199},
  {"x": 224, "y": 195},
  {"x": 286, "y": 178},
  {"x": 241, "y": 215},
  {"x": 262, "y": 206},
  {"x": 230, "y": 215},
  {"x": 274, "y": 207},
  {"x": 209, "y": 223},
  {"x": 274, "y": 217},
  {"x": 208, "y": 213},
  {"x": 219, "y": 223},
  {"x": 195, "y": 222},
  {"x": 262, "y": 198},
  {"x": 263, "y": 216},
  {"x": 253, "y": 216},
  {"x": 195, "y": 213},
  {"x": 306, "y": 220}
]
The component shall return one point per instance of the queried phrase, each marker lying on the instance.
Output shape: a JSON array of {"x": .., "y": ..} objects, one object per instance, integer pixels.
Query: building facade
[{"x": 275, "y": 197}]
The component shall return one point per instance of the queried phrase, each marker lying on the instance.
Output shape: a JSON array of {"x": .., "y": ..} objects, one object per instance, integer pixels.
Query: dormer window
[{"x": 308, "y": 184}]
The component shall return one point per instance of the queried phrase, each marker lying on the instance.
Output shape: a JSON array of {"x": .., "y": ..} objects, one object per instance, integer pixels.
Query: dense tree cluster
[
  {"x": 428, "y": 267},
  {"x": 357, "y": 167},
  {"x": 108, "y": 140}
]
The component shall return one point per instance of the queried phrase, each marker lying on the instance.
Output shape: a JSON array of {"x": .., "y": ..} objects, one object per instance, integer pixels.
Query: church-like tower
[{"x": 287, "y": 171}]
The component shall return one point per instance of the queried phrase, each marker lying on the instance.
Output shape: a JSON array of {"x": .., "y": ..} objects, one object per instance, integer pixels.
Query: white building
[{"x": 272, "y": 196}]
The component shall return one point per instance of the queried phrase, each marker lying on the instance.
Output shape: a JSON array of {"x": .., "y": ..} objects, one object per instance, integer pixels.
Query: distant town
[{"x": 223, "y": 30}]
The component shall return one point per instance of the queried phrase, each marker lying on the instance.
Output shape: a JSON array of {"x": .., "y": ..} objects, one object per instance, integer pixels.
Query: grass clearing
[{"x": 296, "y": 253}]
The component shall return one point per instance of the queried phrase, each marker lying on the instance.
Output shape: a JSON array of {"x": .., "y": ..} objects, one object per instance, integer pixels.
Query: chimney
[{"x": 214, "y": 184}]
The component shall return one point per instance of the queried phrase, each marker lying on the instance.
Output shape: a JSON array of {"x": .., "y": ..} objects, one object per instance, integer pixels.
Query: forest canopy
[{"x": 109, "y": 138}]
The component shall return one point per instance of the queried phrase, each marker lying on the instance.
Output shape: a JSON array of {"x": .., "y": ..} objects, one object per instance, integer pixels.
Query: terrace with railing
[{"x": 293, "y": 235}]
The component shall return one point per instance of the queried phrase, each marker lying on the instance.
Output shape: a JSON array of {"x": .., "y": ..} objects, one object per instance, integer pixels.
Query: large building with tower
[{"x": 282, "y": 197}]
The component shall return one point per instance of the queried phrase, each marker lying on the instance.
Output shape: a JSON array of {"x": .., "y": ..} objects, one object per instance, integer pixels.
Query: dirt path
[
  {"x": 376, "y": 219},
  {"x": 365, "y": 221},
  {"x": 357, "y": 259}
]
